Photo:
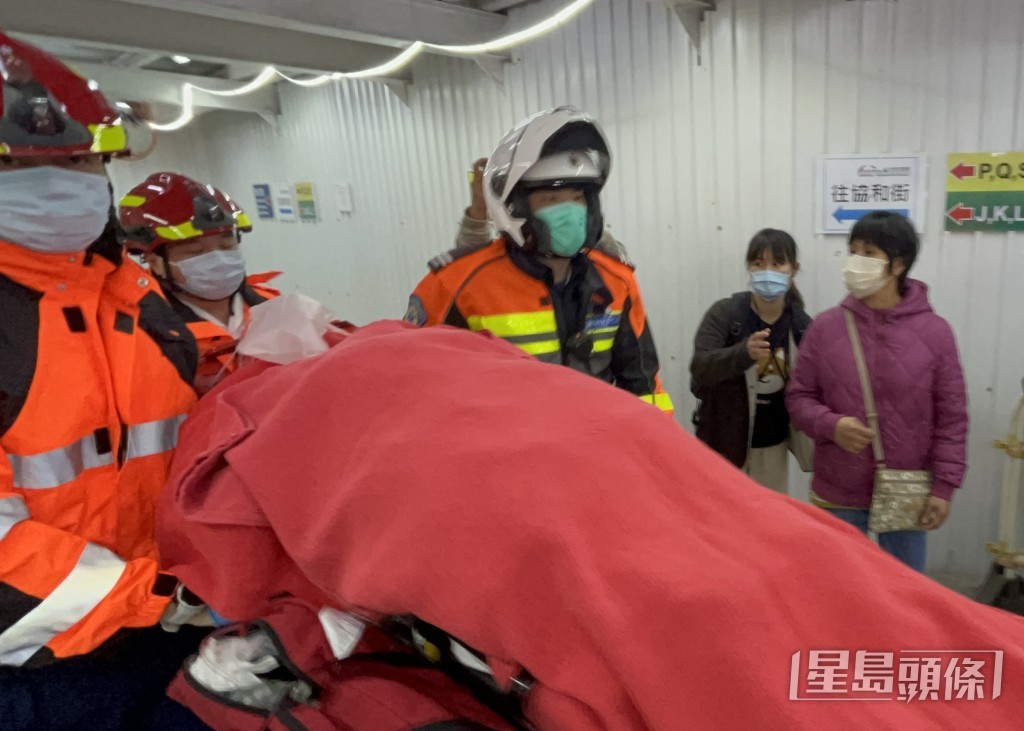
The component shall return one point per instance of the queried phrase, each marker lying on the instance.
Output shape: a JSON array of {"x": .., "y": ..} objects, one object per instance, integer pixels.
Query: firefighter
[
  {"x": 543, "y": 285},
  {"x": 475, "y": 230},
  {"x": 189, "y": 235},
  {"x": 95, "y": 379}
]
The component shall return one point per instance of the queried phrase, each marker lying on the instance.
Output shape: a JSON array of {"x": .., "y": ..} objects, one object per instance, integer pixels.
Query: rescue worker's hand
[
  {"x": 935, "y": 514},
  {"x": 758, "y": 347},
  {"x": 478, "y": 206},
  {"x": 852, "y": 435}
]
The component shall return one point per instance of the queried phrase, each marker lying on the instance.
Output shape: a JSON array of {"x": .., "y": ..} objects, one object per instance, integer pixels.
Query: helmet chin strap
[
  {"x": 595, "y": 217},
  {"x": 534, "y": 230},
  {"x": 538, "y": 231},
  {"x": 167, "y": 279}
]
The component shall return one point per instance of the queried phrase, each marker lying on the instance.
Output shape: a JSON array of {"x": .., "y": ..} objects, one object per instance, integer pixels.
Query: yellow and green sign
[
  {"x": 305, "y": 196},
  {"x": 985, "y": 191}
]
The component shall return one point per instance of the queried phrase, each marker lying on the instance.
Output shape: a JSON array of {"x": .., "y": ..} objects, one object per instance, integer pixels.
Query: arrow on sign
[
  {"x": 855, "y": 214},
  {"x": 962, "y": 170},
  {"x": 960, "y": 213}
]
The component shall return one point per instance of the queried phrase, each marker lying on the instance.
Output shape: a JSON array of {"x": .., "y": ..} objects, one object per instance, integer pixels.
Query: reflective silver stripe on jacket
[
  {"x": 12, "y": 511},
  {"x": 95, "y": 575},
  {"x": 154, "y": 437},
  {"x": 65, "y": 464},
  {"x": 58, "y": 466}
]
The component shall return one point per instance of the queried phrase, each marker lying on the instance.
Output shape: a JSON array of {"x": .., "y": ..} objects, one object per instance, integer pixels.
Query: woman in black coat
[{"x": 743, "y": 354}]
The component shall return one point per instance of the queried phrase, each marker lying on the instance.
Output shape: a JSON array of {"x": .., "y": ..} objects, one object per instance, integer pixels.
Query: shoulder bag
[{"x": 900, "y": 496}]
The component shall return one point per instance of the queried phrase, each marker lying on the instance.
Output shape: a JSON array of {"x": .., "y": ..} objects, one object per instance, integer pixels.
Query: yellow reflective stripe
[
  {"x": 662, "y": 400},
  {"x": 132, "y": 201},
  {"x": 181, "y": 232},
  {"x": 541, "y": 348},
  {"x": 607, "y": 326},
  {"x": 242, "y": 220},
  {"x": 107, "y": 138},
  {"x": 94, "y": 576},
  {"x": 184, "y": 231},
  {"x": 515, "y": 323}
]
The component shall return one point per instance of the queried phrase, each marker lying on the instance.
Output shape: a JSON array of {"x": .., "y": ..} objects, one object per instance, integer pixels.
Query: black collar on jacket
[
  {"x": 249, "y": 296},
  {"x": 531, "y": 264}
]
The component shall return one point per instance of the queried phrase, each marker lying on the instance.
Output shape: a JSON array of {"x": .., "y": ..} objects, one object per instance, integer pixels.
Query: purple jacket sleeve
[
  {"x": 807, "y": 411},
  {"x": 949, "y": 399}
]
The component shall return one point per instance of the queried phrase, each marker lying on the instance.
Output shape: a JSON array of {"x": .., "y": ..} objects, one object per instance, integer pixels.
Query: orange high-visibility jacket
[
  {"x": 95, "y": 378},
  {"x": 595, "y": 324},
  {"x": 217, "y": 345}
]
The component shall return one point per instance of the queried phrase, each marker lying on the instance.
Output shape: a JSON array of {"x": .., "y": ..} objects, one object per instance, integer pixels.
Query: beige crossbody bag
[{"x": 900, "y": 496}]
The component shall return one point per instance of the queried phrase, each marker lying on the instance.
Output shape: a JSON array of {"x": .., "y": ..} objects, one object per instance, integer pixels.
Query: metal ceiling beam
[
  {"x": 494, "y": 6},
  {"x": 164, "y": 88},
  {"x": 391, "y": 22},
  {"x": 126, "y": 25}
]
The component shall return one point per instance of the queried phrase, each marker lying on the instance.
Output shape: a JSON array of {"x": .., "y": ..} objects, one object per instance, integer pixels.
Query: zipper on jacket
[{"x": 578, "y": 343}]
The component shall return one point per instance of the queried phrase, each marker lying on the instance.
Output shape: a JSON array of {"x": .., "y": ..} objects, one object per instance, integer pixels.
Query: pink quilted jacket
[{"x": 919, "y": 389}]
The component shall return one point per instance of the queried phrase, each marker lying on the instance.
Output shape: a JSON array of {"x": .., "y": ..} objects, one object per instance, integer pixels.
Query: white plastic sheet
[{"x": 286, "y": 329}]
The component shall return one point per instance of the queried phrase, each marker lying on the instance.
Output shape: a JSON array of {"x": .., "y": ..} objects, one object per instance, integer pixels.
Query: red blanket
[{"x": 562, "y": 526}]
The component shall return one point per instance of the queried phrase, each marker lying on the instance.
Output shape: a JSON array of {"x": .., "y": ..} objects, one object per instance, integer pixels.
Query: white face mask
[
  {"x": 53, "y": 210},
  {"x": 864, "y": 276},
  {"x": 215, "y": 275}
]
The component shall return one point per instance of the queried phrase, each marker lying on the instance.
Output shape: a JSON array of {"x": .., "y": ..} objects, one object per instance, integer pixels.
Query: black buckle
[{"x": 580, "y": 346}]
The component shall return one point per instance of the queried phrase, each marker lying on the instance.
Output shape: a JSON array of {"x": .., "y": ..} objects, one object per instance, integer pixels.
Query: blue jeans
[{"x": 909, "y": 546}]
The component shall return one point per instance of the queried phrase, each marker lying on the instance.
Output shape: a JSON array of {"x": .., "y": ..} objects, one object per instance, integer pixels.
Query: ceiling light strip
[{"x": 271, "y": 74}]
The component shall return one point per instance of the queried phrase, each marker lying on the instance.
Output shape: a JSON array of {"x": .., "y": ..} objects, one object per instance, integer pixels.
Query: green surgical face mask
[{"x": 567, "y": 226}]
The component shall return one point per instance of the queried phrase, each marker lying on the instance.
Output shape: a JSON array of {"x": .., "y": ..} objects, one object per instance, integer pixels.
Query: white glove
[
  {"x": 179, "y": 613},
  {"x": 231, "y": 666}
]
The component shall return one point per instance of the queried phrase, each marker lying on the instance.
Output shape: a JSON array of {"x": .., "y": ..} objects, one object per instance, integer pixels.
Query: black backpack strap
[{"x": 740, "y": 307}]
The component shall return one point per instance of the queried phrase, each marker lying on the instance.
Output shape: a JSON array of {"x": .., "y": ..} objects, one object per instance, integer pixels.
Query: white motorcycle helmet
[{"x": 561, "y": 147}]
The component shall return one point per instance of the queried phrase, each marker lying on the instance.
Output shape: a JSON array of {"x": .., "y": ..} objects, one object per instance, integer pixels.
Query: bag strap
[
  {"x": 865, "y": 387},
  {"x": 737, "y": 315}
]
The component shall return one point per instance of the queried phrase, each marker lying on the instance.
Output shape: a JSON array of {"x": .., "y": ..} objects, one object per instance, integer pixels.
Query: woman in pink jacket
[{"x": 915, "y": 373}]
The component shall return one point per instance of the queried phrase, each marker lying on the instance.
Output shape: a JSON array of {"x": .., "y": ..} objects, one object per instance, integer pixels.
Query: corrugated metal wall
[{"x": 704, "y": 156}]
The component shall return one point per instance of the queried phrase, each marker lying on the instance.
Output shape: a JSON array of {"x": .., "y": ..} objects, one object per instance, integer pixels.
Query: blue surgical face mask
[
  {"x": 567, "y": 226},
  {"x": 769, "y": 285}
]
